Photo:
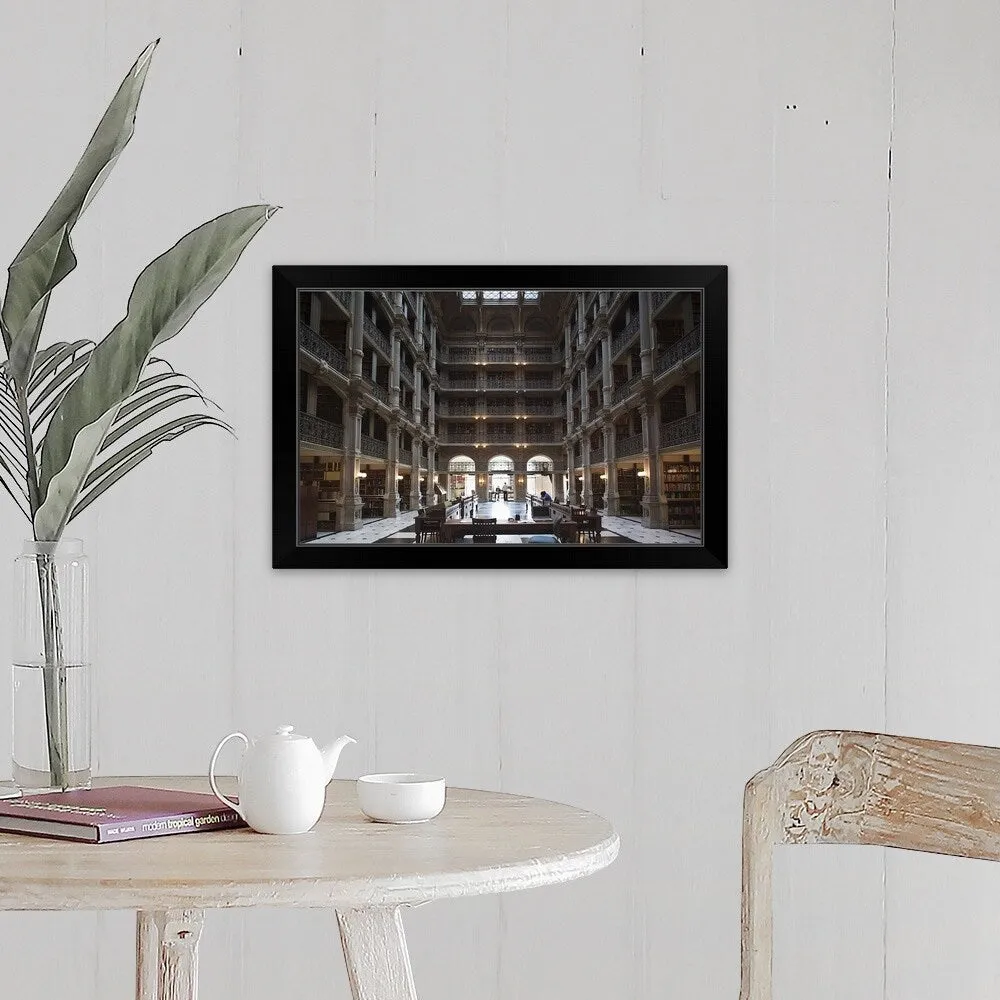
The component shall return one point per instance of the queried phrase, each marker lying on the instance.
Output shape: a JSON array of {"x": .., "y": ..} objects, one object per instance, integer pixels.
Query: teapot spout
[{"x": 331, "y": 754}]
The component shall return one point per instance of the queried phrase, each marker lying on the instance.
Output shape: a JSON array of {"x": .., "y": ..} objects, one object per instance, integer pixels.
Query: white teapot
[{"x": 282, "y": 780}]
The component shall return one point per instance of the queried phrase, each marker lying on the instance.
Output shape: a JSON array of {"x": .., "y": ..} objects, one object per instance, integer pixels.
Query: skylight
[{"x": 498, "y": 296}]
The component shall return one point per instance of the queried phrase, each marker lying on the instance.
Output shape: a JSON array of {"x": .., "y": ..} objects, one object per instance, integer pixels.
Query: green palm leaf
[
  {"x": 125, "y": 460},
  {"x": 165, "y": 296},
  {"x": 48, "y": 255}
]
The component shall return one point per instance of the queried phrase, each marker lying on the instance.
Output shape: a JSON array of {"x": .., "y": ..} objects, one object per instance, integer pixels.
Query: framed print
[{"x": 499, "y": 416}]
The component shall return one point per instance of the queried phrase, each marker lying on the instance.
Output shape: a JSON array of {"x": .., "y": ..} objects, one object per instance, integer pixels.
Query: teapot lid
[{"x": 285, "y": 733}]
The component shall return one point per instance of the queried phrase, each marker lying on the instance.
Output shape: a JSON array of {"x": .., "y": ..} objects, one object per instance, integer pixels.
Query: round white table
[{"x": 483, "y": 842}]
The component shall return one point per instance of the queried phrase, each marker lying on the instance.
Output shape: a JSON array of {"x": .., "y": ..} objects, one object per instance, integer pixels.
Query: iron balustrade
[
  {"x": 406, "y": 375},
  {"x": 539, "y": 432},
  {"x": 373, "y": 447},
  {"x": 311, "y": 341},
  {"x": 459, "y": 383},
  {"x": 500, "y": 354},
  {"x": 625, "y": 447},
  {"x": 683, "y": 431},
  {"x": 624, "y": 337},
  {"x": 538, "y": 355},
  {"x": 538, "y": 382},
  {"x": 344, "y": 296},
  {"x": 624, "y": 390},
  {"x": 378, "y": 391},
  {"x": 377, "y": 337},
  {"x": 459, "y": 354},
  {"x": 676, "y": 353},
  {"x": 658, "y": 298},
  {"x": 316, "y": 430},
  {"x": 596, "y": 453}
]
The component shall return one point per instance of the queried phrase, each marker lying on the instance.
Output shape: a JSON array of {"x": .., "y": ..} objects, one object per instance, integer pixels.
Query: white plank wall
[{"x": 863, "y": 468}]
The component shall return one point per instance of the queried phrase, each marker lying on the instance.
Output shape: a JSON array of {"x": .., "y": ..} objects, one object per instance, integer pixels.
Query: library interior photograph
[{"x": 498, "y": 416}]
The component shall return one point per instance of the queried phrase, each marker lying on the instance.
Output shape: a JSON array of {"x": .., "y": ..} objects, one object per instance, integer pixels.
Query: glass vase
[{"x": 51, "y": 667}]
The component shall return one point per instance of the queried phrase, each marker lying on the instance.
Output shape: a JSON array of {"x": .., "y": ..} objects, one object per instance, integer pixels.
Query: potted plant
[{"x": 76, "y": 416}]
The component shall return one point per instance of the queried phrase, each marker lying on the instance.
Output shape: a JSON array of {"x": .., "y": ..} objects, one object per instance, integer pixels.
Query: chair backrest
[
  {"x": 840, "y": 787},
  {"x": 484, "y": 528}
]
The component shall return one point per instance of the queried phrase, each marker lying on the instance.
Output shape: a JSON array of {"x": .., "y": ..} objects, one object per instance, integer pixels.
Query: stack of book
[{"x": 118, "y": 812}]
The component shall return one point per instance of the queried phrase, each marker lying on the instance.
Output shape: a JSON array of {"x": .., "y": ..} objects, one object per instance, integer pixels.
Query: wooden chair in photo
[
  {"x": 432, "y": 519},
  {"x": 838, "y": 787},
  {"x": 484, "y": 530}
]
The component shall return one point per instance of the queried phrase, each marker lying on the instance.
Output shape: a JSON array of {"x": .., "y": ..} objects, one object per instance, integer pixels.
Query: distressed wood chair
[{"x": 834, "y": 787}]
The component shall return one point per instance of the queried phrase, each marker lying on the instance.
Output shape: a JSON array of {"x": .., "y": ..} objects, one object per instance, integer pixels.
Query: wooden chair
[
  {"x": 432, "y": 519},
  {"x": 834, "y": 787},
  {"x": 481, "y": 529}
]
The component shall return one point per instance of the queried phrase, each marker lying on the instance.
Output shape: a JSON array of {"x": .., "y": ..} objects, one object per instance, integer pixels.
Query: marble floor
[{"x": 400, "y": 530}]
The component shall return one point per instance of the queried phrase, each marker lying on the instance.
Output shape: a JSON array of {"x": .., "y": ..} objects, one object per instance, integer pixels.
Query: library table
[{"x": 483, "y": 842}]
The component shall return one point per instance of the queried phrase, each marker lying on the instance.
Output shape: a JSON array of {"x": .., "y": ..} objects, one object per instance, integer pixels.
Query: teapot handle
[{"x": 232, "y": 804}]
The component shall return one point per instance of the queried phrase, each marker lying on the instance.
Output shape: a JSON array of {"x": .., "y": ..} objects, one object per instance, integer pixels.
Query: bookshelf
[
  {"x": 630, "y": 490},
  {"x": 372, "y": 490},
  {"x": 682, "y": 491}
]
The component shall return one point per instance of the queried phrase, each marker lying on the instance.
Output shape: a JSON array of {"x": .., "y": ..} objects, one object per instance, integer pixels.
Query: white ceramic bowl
[{"x": 401, "y": 798}]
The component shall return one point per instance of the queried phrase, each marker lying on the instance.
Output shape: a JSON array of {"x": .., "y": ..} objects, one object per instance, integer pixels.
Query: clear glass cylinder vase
[{"x": 51, "y": 667}]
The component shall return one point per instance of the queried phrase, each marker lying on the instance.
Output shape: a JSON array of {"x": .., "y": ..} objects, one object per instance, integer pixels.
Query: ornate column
[
  {"x": 521, "y": 477},
  {"x": 588, "y": 489},
  {"x": 431, "y": 410},
  {"x": 654, "y": 510},
  {"x": 569, "y": 408},
  {"x": 390, "y": 507},
  {"x": 350, "y": 499},
  {"x": 584, "y": 396},
  {"x": 568, "y": 347},
  {"x": 415, "y": 472},
  {"x": 606, "y": 365},
  {"x": 645, "y": 335},
  {"x": 356, "y": 333},
  {"x": 431, "y": 475},
  {"x": 570, "y": 473},
  {"x": 434, "y": 356},
  {"x": 611, "y": 490},
  {"x": 394, "y": 372},
  {"x": 417, "y": 387}
]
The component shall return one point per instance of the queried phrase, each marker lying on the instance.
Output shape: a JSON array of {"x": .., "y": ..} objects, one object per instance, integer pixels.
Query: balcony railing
[
  {"x": 673, "y": 355},
  {"x": 377, "y": 337},
  {"x": 311, "y": 341},
  {"x": 316, "y": 430},
  {"x": 500, "y": 355},
  {"x": 378, "y": 391},
  {"x": 658, "y": 298},
  {"x": 682, "y": 431},
  {"x": 406, "y": 375},
  {"x": 624, "y": 337},
  {"x": 628, "y": 446},
  {"x": 458, "y": 355},
  {"x": 372, "y": 447},
  {"x": 459, "y": 382},
  {"x": 539, "y": 432},
  {"x": 344, "y": 296},
  {"x": 626, "y": 389},
  {"x": 538, "y": 355},
  {"x": 537, "y": 381},
  {"x": 596, "y": 453},
  {"x": 450, "y": 409}
]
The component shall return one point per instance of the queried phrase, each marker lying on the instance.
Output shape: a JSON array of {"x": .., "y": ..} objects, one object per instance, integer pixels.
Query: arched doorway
[
  {"x": 461, "y": 477},
  {"x": 540, "y": 475},
  {"x": 500, "y": 478}
]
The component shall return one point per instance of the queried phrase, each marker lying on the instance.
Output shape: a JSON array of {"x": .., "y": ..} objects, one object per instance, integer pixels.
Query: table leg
[
  {"x": 378, "y": 965},
  {"x": 166, "y": 966}
]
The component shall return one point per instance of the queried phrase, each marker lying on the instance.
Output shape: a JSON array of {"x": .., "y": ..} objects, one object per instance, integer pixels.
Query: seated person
[{"x": 546, "y": 498}]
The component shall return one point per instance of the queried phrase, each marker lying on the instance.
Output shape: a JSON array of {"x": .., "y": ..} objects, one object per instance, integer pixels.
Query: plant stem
[
  {"x": 54, "y": 669},
  {"x": 53, "y": 674}
]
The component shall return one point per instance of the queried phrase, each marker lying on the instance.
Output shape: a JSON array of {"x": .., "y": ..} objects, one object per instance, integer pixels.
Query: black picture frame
[{"x": 289, "y": 280}]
